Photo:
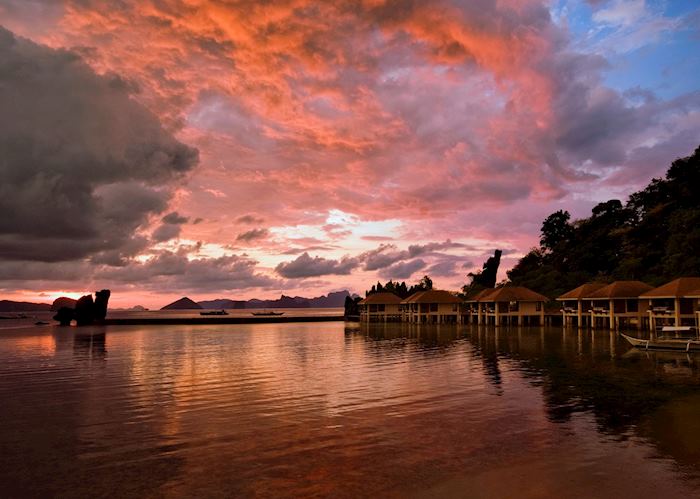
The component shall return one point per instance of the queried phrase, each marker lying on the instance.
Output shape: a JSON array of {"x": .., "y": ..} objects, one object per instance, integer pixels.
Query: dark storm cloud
[
  {"x": 386, "y": 258},
  {"x": 253, "y": 235},
  {"x": 249, "y": 219},
  {"x": 166, "y": 232},
  {"x": 403, "y": 270},
  {"x": 296, "y": 251},
  {"x": 174, "y": 218},
  {"x": 306, "y": 266},
  {"x": 388, "y": 254},
  {"x": 84, "y": 166},
  {"x": 174, "y": 270}
]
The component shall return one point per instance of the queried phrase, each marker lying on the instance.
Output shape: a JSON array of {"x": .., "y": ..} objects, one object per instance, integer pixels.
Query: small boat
[
  {"x": 41, "y": 323},
  {"x": 214, "y": 312},
  {"x": 664, "y": 343},
  {"x": 267, "y": 313}
]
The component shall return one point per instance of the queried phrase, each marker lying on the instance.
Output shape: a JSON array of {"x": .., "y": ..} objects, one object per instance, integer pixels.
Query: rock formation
[
  {"x": 85, "y": 311},
  {"x": 101, "y": 300},
  {"x": 61, "y": 302},
  {"x": 64, "y": 316}
]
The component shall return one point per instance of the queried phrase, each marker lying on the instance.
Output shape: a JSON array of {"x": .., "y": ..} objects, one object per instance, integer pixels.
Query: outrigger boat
[
  {"x": 666, "y": 342},
  {"x": 267, "y": 313},
  {"x": 214, "y": 312}
]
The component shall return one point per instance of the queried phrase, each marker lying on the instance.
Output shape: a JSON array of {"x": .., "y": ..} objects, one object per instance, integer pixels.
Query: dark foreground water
[{"x": 329, "y": 409}]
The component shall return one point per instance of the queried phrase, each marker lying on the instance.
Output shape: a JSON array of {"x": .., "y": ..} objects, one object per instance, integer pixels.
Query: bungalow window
[
  {"x": 424, "y": 308},
  {"x": 454, "y": 307},
  {"x": 665, "y": 305},
  {"x": 513, "y": 306},
  {"x": 433, "y": 307},
  {"x": 686, "y": 306},
  {"x": 538, "y": 306},
  {"x": 380, "y": 307},
  {"x": 633, "y": 305},
  {"x": 372, "y": 308}
]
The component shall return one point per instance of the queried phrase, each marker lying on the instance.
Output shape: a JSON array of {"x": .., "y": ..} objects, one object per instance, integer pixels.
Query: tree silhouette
[
  {"x": 653, "y": 237},
  {"x": 555, "y": 230}
]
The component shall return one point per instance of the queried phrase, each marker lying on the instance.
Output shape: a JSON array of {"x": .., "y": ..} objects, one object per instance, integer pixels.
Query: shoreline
[{"x": 160, "y": 321}]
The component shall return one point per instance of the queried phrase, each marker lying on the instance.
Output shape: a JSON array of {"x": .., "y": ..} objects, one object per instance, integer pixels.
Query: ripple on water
[{"x": 324, "y": 409}]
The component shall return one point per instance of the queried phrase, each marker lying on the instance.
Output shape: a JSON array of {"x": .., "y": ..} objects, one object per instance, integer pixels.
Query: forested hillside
[{"x": 653, "y": 237}]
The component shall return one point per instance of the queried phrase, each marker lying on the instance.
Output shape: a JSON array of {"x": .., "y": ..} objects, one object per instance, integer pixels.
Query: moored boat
[
  {"x": 267, "y": 313},
  {"x": 214, "y": 312},
  {"x": 683, "y": 344}
]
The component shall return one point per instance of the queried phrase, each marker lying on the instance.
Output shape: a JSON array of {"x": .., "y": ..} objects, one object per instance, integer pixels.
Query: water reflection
[
  {"x": 90, "y": 343},
  {"x": 288, "y": 410},
  {"x": 581, "y": 371}
]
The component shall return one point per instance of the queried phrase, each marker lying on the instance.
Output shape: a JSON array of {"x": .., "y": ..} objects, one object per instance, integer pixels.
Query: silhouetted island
[
  {"x": 183, "y": 303},
  {"x": 334, "y": 299}
]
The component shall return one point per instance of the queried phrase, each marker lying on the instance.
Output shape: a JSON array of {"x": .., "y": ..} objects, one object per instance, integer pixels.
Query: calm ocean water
[
  {"x": 340, "y": 410},
  {"x": 12, "y": 320}
]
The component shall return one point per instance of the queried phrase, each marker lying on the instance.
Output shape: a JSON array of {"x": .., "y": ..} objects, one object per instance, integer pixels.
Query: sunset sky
[{"x": 239, "y": 149}]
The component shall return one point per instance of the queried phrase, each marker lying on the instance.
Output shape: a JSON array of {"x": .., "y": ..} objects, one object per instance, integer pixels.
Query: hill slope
[
  {"x": 183, "y": 303},
  {"x": 23, "y": 306}
]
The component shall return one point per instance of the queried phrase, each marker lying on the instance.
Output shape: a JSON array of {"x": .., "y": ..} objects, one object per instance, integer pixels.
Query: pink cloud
[{"x": 462, "y": 120}]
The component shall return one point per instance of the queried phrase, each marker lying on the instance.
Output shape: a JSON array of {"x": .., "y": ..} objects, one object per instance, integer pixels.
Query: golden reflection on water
[{"x": 347, "y": 410}]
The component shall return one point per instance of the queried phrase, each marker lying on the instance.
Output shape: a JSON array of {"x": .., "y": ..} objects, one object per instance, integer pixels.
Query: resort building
[
  {"x": 575, "y": 310},
  {"x": 380, "y": 307},
  {"x": 471, "y": 308},
  {"x": 618, "y": 304},
  {"x": 674, "y": 303},
  {"x": 514, "y": 305},
  {"x": 431, "y": 307}
]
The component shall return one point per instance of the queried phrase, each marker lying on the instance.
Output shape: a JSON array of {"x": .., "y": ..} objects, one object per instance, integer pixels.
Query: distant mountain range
[
  {"x": 331, "y": 300},
  {"x": 23, "y": 306}
]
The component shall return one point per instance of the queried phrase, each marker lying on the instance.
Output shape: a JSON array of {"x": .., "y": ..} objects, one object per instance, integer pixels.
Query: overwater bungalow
[
  {"x": 674, "y": 303},
  {"x": 618, "y": 304},
  {"x": 380, "y": 307},
  {"x": 431, "y": 307},
  {"x": 514, "y": 305},
  {"x": 471, "y": 309},
  {"x": 574, "y": 309}
]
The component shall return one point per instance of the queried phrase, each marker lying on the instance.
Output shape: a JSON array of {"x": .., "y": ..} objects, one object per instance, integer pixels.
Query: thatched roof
[
  {"x": 582, "y": 291},
  {"x": 432, "y": 296},
  {"x": 620, "y": 289},
  {"x": 512, "y": 293},
  {"x": 381, "y": 299}
]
